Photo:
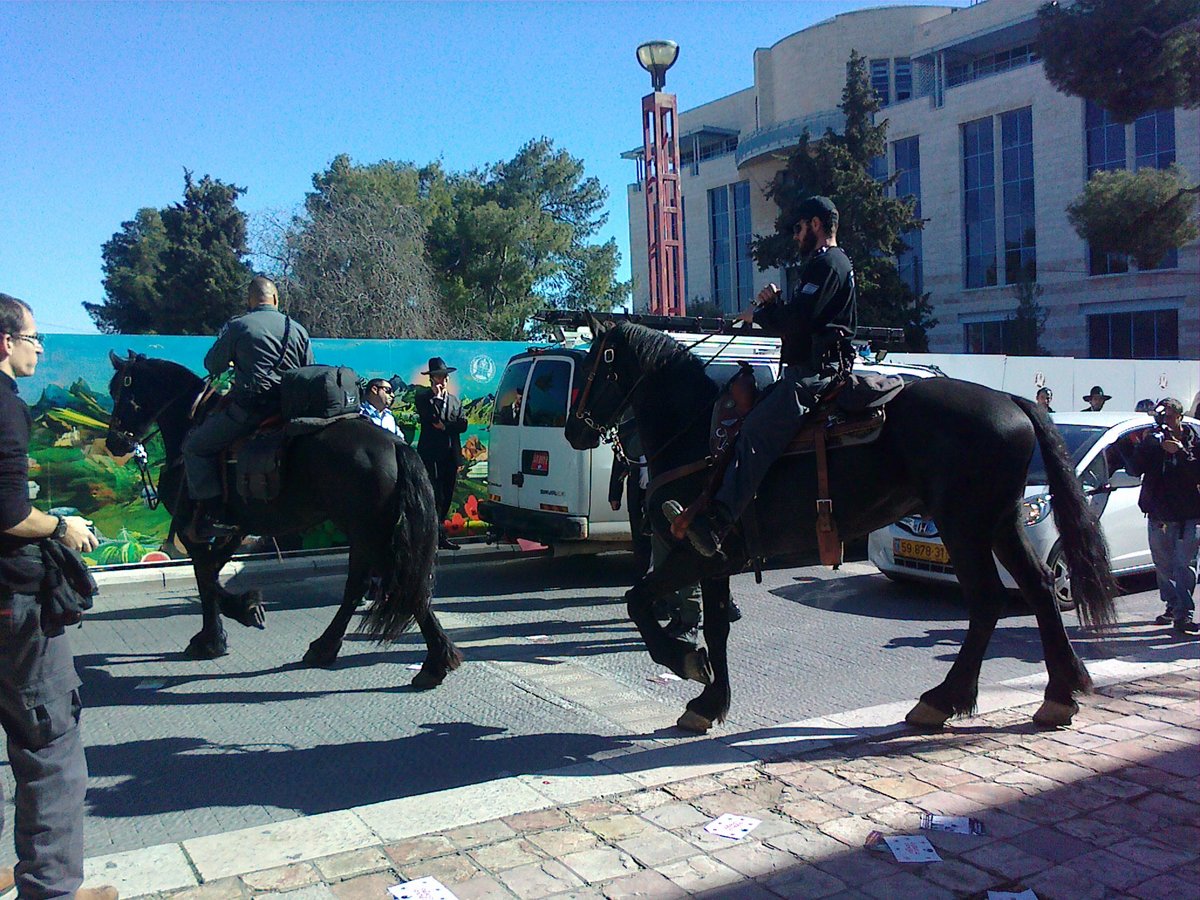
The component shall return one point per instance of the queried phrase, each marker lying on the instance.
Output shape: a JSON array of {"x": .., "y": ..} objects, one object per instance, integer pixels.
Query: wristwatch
[{"x": 60, "y": 530}]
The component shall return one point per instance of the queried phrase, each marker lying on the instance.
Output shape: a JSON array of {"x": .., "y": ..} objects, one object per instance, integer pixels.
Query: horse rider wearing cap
[
  {"x": 440, "y": 442},
  {"x": 816, "y": 326},
  {"x": 260, "y": 345}
]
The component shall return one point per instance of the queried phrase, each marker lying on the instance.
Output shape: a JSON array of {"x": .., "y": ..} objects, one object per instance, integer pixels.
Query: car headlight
[{"x": 1035, "y": 508}]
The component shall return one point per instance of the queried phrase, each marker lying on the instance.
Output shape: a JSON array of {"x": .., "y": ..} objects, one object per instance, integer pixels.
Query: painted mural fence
[{"x": 71, "y": 471}]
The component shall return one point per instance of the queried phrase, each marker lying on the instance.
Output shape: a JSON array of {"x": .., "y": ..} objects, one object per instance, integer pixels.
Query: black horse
[
  {"x": 950, "y": 449},
  {"x": 353, "y": 473}
]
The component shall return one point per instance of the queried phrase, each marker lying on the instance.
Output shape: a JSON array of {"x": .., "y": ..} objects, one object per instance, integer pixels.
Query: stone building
[{"x": 990, "y": 149}]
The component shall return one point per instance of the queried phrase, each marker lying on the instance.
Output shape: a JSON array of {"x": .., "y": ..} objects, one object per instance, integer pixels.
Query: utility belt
[{"x": 56, "y": 576}]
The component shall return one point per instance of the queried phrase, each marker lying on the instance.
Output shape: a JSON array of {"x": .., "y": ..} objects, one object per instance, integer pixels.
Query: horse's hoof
[
  {"x": 924, "y": 715},
  {"x": 202, "y": 648},
  {"x": 694, "y": 722},
  {"x": 318, "y": 657},
  {"x": 245, "y": 609},
  {"x": 424, "y": 680},
  {"x": 1053, "y": 714},
  {"x": 696, "y": 667}
]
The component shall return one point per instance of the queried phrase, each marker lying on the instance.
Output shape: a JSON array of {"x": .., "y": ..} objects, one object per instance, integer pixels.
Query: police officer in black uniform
[
  {"x": 816, "y": 326},
  {"x": 39, "y": 697},
  {"x": 260, "y": 345}
]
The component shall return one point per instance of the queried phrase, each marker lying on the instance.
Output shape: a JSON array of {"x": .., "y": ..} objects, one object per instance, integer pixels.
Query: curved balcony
[{"x": 785, "y": 135}]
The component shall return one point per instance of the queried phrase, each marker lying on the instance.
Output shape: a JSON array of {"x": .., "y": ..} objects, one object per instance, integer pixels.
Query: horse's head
[
  {"x": 133, "y": 406},
  {"x": 608, "y": 382}
]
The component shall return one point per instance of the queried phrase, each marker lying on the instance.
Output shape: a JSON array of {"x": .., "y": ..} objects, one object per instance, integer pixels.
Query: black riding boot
[
  {"x": 707, "y": 530},
  {"x": 207, "y": 524}
]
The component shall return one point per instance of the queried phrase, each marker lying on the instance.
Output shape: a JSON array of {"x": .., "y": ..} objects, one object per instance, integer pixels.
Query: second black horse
[{"x": 352, "y": 473}]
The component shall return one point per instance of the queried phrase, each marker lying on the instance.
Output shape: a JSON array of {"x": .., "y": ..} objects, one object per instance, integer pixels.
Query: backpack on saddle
[{"x": 310, "y": 398}]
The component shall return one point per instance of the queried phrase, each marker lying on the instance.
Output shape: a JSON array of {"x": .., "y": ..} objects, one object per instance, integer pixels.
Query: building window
[
  {"x": 986, "y": 337},
  {"x": 718, "y": 231},
  {"x": 879, "y": 80},
  {"x": 979, "y": 204},
  {"x": 902, "y": 66},
  {"x": 1016, "y": 166},
  {"x": 1154, "y": 147},
  {"x": 965, "y": 70},
  {"x": 1105, "y": 150},
  {"x": 878, "y": 168},
  {"x": 1146, "y": 334},
  {"x": 742, "y": 235},
  {"x": 907, "y": 156}
]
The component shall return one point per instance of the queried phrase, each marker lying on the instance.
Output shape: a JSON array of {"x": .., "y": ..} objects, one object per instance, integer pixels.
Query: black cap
[{"x": 818, "y": 208}]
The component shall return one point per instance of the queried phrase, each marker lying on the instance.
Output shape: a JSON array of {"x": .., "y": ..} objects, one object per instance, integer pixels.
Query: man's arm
[
  {"x": 456, "y": 420},
  {"x": 37, "y": 525},
  {"x": 1145, "y": 455},
  {"x": 818, "y": 282},
  {"x": 220, "y": 355}
]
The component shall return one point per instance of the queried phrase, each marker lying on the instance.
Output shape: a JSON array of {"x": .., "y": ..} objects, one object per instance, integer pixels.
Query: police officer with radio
[
  {"x": 816, "y": 326},
  {"x": 260, "y": 346},
  {"x": 1168, "y": 459}
]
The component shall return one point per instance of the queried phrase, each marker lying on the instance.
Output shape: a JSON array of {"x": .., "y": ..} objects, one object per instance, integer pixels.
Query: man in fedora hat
[
  {"x": 1096, "y": 399},
  {"x": 440, "y": 441}
]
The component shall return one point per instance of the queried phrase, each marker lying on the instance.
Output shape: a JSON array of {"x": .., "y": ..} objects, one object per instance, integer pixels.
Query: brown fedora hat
[{"x": 437, "y": 366}]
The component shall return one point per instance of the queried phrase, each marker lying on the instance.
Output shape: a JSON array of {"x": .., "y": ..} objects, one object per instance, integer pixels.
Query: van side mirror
[{"x": 1122, "y": 479}]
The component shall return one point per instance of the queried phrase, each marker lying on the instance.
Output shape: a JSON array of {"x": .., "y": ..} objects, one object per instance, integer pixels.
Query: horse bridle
[{"x": 609, "y": 434}]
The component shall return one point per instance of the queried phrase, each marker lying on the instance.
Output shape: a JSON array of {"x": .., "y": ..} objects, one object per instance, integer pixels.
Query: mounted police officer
[
  {"x": 260, "y": 345},
  {"x": 816, "y": 326}
]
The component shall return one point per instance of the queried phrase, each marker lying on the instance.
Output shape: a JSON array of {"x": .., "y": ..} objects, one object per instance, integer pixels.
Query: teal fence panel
[{"x": 70, "y": 470}]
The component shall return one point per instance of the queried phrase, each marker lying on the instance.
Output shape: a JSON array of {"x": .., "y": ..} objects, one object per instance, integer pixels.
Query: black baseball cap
[{"x": 818, "y": 207}]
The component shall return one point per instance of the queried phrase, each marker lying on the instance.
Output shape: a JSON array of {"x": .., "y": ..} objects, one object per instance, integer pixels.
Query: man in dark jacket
[
  {"x": 440, "y": 442},
  {"x": 1168, "y": 459},
  {"x": 39, "y": 697},
  {"x": 816, "y": 327},
  {"x": 260, "y": 345}
]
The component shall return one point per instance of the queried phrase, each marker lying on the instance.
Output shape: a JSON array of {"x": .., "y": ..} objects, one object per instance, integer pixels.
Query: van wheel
[{"x": 1062, "y": 579}]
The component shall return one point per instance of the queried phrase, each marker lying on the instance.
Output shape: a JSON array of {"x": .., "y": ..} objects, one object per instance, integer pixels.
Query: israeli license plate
[{"x": 922, "y": 550}]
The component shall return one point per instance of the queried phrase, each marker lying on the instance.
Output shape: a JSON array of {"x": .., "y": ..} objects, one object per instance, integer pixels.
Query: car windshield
[{"x": 1079, "y": 440}]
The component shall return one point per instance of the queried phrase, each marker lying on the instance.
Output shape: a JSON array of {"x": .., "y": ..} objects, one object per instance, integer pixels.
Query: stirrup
[{"x": 701, "y": 533}]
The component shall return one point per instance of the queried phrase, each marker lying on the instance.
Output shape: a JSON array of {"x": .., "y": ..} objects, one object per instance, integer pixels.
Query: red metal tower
[{"x": 664, "y": 224}]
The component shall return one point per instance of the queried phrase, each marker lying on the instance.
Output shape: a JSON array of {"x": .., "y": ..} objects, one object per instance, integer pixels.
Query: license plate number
[{"x": 922, "y": 550}]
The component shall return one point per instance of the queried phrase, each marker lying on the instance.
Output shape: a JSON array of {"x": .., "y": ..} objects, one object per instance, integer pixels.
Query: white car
[{"x": 910, "y": 550}]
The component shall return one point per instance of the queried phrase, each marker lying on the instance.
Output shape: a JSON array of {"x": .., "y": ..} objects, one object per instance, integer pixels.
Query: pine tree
[{"x": 871, "y": 223}]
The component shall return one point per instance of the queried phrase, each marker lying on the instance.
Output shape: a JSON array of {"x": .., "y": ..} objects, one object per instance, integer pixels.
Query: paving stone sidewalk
[{"x": 1107, "y": 808}]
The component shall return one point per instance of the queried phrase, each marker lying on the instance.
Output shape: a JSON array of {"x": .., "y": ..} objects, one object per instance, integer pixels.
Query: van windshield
[
  {"x": 510, "y": 394},
  {"x": 549, "y": 392}
]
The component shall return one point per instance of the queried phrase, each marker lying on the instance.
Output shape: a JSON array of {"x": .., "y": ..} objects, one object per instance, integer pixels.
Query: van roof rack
[{"x": 574, "y": 319}]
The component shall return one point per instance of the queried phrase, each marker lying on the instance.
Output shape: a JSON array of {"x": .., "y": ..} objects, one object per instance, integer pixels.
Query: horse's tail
[
  {"x": 408, "y": 582},
  {"x": 1092, "y": 585}
]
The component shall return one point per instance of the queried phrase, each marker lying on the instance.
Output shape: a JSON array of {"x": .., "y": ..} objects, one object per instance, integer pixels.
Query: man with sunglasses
[
  {"x": 39, "y": 696},
  {"x": 378, "y": 405},
  {"x": 816, "y": 326}
]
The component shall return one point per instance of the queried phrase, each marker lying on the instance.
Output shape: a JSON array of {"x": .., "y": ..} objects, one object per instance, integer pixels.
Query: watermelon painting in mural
[{"x": 71, "y": 471}]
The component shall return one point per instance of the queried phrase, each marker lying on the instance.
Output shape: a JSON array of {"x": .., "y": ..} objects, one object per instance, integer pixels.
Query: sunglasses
[{"x": 39, "y": 339}]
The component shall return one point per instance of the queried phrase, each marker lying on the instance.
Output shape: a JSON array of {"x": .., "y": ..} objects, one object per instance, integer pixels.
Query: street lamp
[
  {"x": 660, "y": 183},
  {"x": 656, "y": 57}
]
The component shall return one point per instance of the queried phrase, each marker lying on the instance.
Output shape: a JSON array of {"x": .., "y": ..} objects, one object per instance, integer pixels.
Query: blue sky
[{"x": 105, "y": 104}]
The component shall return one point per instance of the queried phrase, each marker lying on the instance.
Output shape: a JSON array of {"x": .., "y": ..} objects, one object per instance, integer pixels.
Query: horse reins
[{"x": 610, "y": 435}]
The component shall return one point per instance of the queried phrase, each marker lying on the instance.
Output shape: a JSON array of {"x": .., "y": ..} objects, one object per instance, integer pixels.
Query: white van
[{"x": 543, "y": 490}]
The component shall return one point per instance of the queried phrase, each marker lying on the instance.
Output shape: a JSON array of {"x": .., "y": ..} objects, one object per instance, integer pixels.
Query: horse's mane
[
  {"x": 657, "y": 351},
  {"x": 167, "y": 370}
]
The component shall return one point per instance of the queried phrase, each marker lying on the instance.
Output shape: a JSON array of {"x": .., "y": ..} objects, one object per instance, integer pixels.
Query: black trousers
[
  {"x": 39, "y": 710},
  {"x": 443, "y": 472}
]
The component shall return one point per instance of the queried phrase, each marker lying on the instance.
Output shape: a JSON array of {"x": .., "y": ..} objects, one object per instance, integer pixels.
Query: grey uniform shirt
[{"x": 253, "y": 343}]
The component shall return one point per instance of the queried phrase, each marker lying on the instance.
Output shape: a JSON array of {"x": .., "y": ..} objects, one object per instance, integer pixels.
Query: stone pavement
[{"x": 1107, "y": 808}]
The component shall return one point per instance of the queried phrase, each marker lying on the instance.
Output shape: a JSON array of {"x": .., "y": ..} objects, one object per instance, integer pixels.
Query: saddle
[{"x": 851, "y": 412}]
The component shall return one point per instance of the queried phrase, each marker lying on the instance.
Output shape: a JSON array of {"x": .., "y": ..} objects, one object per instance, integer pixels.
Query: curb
[
  {"x": 199, "y": 861},
  {"x": 309, "y": 564}
]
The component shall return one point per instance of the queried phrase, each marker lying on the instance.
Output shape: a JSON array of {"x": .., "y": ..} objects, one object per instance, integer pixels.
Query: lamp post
[{"x": 660, "y": 184}]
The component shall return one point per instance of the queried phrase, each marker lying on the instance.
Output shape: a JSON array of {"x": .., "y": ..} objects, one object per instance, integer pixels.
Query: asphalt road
[{"x": 554, "y": 675}]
